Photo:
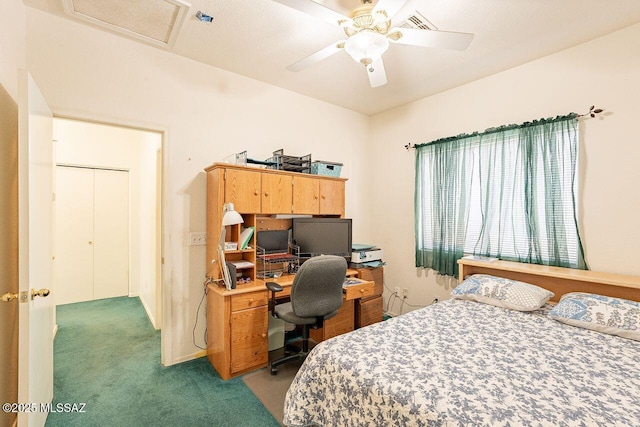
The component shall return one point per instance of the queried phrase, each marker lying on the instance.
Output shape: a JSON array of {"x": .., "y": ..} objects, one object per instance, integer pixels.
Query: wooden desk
[{"x": 238, "y": 320}]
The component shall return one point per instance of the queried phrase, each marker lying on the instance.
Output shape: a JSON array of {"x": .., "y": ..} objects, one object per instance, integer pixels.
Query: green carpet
[{"x": 107, "y": 355}]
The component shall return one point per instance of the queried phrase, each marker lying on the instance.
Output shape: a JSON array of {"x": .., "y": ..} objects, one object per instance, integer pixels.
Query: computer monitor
[{"x": 322, "y": 236}]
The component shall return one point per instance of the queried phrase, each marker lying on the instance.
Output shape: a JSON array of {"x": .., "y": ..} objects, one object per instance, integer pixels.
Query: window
[{"x": 508, "y": 193}]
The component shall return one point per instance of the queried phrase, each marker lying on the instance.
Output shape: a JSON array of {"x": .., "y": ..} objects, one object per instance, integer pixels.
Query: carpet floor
[
  {"x": 271, "y": 389},
  {"x": 107, "y": 355}
]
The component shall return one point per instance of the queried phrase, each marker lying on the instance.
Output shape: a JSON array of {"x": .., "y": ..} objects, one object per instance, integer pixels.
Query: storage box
[
  {"x": 230, "y": 246},
  {"x": 289, "y": 163},
  {"x": 326, "y": 168}
]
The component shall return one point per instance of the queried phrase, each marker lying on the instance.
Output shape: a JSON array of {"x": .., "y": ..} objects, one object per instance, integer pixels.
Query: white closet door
[
  {"x": 73, "y": 272},
  {"x": 111, "y": 234}
]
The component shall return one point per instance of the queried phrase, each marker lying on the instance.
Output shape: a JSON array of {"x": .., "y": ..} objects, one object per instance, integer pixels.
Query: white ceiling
[{"x": 260, "y": 38}]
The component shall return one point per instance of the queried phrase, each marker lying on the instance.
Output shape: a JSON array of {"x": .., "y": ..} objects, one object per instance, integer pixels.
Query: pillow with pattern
[
  {"x": 502, "y": 292},
  {"x": 614, "y": 316}
]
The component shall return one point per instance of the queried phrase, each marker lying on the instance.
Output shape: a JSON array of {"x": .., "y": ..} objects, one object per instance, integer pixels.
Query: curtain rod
[{"x": 593, "y": 112}]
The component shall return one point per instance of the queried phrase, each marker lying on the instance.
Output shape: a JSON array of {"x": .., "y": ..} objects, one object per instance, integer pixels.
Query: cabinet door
[
  {"x": 306, "y": 195},
  {"x": 249, "y": 340},
  {"x": 331, "y": 197},
  {"x": 277, "y": 193},
  {"x": 242, "y": 188}
]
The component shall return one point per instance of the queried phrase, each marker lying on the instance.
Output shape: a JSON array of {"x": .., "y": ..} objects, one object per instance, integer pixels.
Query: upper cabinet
[
  {"x": 318, "y": 196},
  {"x": 243, "y": 189},
  {"x": 331, "y": 197},
  {"x": 269, "y": 192},
  {"x": 277, "y": 193}
]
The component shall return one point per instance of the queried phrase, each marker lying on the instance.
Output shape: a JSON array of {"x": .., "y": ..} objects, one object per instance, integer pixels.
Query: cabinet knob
[
  {"x": 362, "y": 291},
  {"x": 264, "y": 335},
  {"x": 266, "y": 194},
  {"x": 256, "y": 192},
  {"x": 250, "y": 300},
  {"x": 324, "y": 197}
]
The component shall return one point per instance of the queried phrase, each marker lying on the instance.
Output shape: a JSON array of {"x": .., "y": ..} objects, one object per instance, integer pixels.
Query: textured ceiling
[{"x": 260, "y": 38}]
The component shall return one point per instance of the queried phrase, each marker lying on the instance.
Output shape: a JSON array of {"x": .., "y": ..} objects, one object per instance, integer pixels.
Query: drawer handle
[{"x": 250, "y": 300}]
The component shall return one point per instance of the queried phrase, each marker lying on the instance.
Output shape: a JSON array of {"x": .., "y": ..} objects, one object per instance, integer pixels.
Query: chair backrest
[{"x": 317, "y": 288}]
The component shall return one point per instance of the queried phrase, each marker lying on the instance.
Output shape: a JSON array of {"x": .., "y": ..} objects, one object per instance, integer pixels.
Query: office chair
[{"x": 316, "y": 295}]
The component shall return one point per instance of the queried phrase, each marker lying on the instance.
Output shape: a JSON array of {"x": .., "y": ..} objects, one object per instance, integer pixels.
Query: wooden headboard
[{"x": 556, "y": 279}]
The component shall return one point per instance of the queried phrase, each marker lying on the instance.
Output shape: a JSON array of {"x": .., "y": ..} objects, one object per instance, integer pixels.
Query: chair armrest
[{"x": 273, "y": 287}]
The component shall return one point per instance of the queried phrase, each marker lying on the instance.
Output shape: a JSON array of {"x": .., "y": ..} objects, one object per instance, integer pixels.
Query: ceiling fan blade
[
  {"x": 316, "y": 10},
  {"x": 317, "y": 57},
  {"x": 390, "y": 6},
  {"x": 377, "y": 77},
  {"x": 432, "y": 38}
]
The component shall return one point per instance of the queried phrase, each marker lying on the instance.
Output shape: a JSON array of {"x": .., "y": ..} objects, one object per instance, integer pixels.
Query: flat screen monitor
[{"x": 322, "y": 236}]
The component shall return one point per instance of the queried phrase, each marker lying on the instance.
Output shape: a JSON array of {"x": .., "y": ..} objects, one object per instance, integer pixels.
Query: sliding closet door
[
  {"x": 92, "y": 234},
  {"x": 73, "y": 265},
  {"x": 111, "y": 234}
]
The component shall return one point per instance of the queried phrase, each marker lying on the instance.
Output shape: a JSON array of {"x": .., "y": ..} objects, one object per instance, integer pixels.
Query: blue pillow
[
  {"x": 502, "y": 292},
  {"x": 614, "y": 316}
]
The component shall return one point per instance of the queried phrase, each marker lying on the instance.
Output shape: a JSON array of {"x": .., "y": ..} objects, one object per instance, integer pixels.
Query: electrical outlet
[
  {"x": 196, "y": 239},
  {"x": 397, "y": 291},
  {"x": 405, "y": 292}
]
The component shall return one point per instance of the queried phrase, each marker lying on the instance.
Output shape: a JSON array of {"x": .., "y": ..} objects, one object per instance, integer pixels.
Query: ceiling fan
[{"x": 369, "y": 32}]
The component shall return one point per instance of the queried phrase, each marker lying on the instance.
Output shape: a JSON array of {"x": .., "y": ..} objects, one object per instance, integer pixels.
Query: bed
[{"x": 462, "y": 362}]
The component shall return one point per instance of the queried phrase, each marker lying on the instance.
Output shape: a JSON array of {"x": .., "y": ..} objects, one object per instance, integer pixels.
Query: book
[{"x": 245, "y": 237}]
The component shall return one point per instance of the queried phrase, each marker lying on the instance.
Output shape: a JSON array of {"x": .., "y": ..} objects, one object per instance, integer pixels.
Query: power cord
[
  {"x": 395, "y": 296},
  {"x": 193, "y": 333}
]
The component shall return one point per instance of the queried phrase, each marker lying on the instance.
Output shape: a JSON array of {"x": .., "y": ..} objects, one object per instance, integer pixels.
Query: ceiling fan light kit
[
  {"x": 366, "y": 46},
  {"x": 369, "y": 32}
]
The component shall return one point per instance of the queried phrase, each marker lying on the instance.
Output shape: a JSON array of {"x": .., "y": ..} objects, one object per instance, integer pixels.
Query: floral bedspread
[{"x": 464, "y": 363}]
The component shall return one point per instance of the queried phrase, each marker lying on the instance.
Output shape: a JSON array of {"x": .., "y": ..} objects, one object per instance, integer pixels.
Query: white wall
[
  {"x": 603, "y": 72},
  {"x": 102, "y": 146},
  {"x": 206, "y": 114},
  {"x": 12, "y": 57}
]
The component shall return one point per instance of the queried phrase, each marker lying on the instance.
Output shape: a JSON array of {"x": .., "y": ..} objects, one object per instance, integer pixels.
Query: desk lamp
[{"x": 229, "y": 217}]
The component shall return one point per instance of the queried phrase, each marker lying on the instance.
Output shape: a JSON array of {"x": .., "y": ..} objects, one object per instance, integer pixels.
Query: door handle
[
  {"x": 40, "y": 293},
  {"x": 9, "y": 296}
]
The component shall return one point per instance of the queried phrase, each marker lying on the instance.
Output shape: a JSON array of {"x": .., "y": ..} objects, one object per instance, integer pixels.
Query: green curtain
[{"x": 508, "y": 192}]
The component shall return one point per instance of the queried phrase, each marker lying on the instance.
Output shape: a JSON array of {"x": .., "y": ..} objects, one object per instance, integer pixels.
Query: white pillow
[
  {"x": 614, "y": 316},
  {"x": 502, "y": 292}
]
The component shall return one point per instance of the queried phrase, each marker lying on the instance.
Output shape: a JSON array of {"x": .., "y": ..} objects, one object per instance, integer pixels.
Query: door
[
  {"x": 111, "y": 234},
  {"x": 35, "y": 239},
  {"x": 331, "y": 197},
  {"x": 242, "y": 188},
  {"x": 277, "y": 193},
  {"x": 92, "y": 234},
  {"x": 73, "y": 273},
  {"x": 305, "y": 195}
]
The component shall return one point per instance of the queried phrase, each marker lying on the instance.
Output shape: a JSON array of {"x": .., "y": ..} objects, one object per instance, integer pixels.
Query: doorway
[{"x": 87, "y": 147}]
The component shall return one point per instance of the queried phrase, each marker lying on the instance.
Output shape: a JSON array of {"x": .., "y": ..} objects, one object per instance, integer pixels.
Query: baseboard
[
  {"x": 189, "y": 357},
  {"x": 149, "y": 315}
]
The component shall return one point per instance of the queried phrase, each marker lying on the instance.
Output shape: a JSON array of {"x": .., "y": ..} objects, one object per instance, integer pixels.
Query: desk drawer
[
  {"x": 358, "y": 291},
  {"x": 249, "y": 300}
]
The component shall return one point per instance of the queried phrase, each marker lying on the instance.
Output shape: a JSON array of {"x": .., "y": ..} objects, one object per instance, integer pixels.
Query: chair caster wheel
[{"x": 274, "y": 371}]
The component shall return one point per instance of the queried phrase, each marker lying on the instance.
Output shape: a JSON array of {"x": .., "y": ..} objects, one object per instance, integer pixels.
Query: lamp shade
[
  {"x": 366, "y": 46},
  {"x": 231, "y": 216}
]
